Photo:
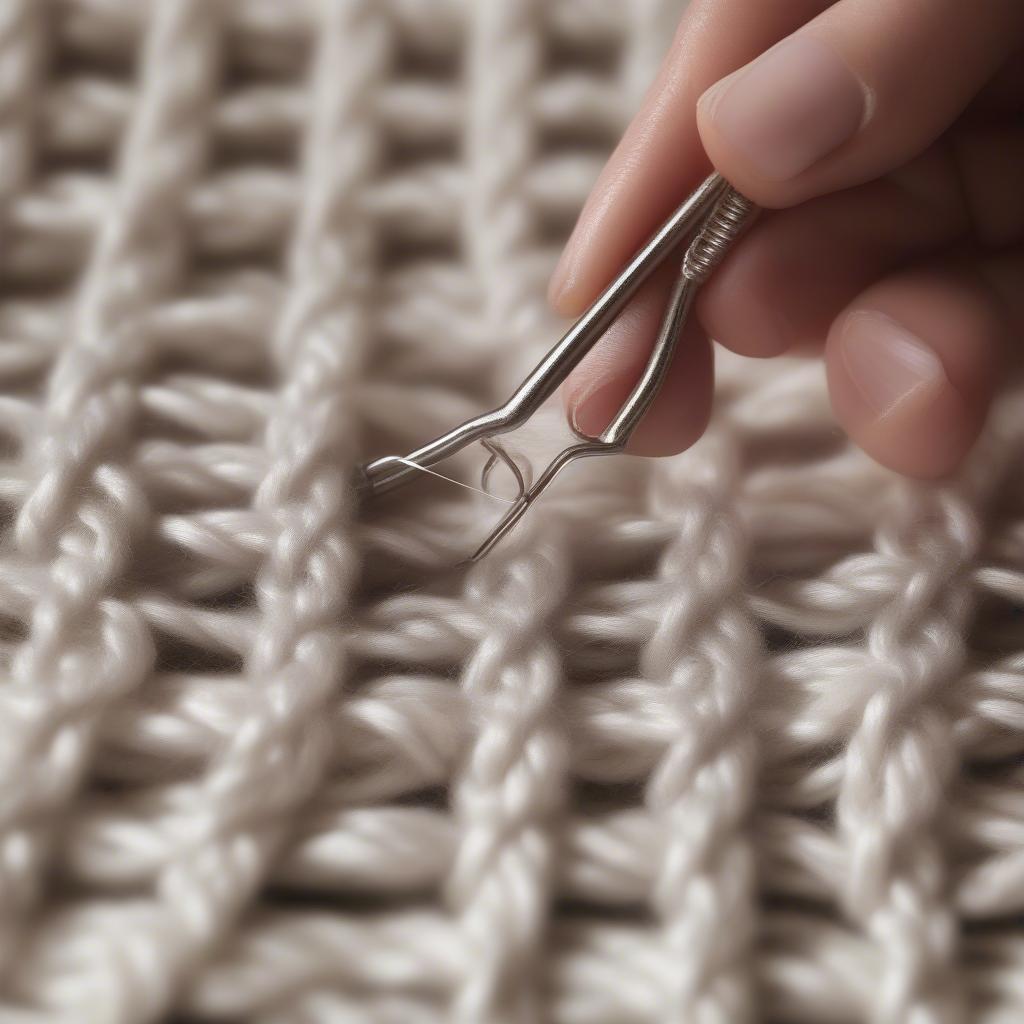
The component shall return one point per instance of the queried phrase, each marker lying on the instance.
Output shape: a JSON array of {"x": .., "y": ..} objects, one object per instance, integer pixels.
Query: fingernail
[
  {"x": 590, "y": 415},
  {"x": 788, "y": 109},
  {"x": 886, "y": 363}
]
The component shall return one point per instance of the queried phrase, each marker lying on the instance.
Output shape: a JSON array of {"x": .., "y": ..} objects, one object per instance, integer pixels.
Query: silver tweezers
[{"x": 715, "y": 214}]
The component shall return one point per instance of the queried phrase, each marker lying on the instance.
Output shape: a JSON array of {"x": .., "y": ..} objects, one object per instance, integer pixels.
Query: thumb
[{"x": 852, "y": 95}]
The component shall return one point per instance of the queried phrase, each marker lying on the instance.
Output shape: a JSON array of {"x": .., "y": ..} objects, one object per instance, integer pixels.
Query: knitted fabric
[{"x": 732, "y": 736}]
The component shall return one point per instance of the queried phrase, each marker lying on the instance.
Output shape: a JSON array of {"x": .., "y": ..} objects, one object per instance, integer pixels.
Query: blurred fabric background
[{"x": 736, "y": 735}]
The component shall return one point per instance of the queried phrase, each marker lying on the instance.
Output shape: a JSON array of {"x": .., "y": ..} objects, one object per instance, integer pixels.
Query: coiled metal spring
[{"x": 728, "y": 220}]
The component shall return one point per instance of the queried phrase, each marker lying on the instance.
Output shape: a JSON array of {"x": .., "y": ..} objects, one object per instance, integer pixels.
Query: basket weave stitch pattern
[{"x": 732, "y": 736}]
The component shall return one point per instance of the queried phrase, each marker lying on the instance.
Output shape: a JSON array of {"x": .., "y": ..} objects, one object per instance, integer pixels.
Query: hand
[{"x": 887, "y": 139}]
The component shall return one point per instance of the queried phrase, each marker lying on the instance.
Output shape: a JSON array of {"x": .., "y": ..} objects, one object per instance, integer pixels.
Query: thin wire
[{"x": 458, "y": 483}]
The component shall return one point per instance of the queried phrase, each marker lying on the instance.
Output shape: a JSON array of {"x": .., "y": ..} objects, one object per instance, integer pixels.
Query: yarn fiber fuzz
[{"x": 732, "y": 736}]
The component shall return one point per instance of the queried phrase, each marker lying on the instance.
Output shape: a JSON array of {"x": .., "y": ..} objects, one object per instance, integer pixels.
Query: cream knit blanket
[{"x": 733, "y": 736}]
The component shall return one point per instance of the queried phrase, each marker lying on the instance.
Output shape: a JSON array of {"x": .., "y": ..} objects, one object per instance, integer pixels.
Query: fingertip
[
  {"x": 596, "y": 391},
  {"x": 678, "y": 416},
  {"x": 911, "y": 369},
  {"x": 893, "y": 396},
  {"x": 852, "y": 95},
  {"x": 768, "y": 124},
  {"x": 680, "y": 413}
]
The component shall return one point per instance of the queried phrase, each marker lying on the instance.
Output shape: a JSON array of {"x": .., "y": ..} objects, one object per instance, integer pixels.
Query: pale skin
[{"x": 885, "y": 140}]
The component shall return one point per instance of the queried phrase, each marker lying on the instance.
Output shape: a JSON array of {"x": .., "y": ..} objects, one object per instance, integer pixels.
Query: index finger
[{"x": 660, "y": 157}]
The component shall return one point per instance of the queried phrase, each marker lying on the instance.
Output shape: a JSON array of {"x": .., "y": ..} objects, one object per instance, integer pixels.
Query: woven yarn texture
[{"x": 734, "y": 736}]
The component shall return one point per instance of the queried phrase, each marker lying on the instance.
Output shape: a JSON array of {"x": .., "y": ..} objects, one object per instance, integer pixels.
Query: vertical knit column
[
  {"x": 85, "y": 644},
  {"x": 22, "y": 59},
  {"x": 134, "y": 958},
  {"x": 902, "y": 757},
  {"x": 705, "y": 653},
  {"x": 509, "y": 792},
  {"x": 277, "y": 754},
  {"x": 504, "y": 51}
]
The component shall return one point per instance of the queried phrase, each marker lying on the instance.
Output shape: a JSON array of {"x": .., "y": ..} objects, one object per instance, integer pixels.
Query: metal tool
[{"x": 718, "y": 214}]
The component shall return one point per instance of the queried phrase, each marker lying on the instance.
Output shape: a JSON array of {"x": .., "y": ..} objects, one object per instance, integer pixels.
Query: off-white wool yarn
[{"x": 732, "y": 736}]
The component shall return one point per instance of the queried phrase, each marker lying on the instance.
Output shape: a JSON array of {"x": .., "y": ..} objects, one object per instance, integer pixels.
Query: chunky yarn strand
[
  {"x": 85, "y": 645},
  {"x": 705, "y": 654},
  {"x": 508, "y": 796}
]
